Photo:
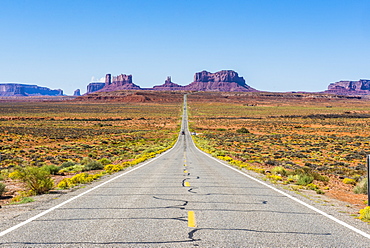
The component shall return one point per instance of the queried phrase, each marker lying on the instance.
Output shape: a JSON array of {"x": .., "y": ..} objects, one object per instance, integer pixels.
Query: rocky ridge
[
  {"x": 361, "y": 87},
  {"x": 14, "y": 89}
]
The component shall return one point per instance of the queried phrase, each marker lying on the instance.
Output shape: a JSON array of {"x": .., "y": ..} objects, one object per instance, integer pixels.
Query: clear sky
[{"x": 276, "y": 45}]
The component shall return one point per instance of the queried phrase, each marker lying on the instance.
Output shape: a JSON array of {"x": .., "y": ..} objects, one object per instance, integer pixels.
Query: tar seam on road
[
  {"x": 77, "y": 196},
  {"x": 366, "y": 235}
]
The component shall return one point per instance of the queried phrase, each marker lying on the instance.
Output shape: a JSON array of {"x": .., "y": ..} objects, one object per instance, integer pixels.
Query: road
[{"x": 152, "y": 205}]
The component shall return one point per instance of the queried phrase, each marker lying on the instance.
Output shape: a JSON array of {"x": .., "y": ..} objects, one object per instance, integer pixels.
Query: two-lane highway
[{"x": 152, "y": 206}]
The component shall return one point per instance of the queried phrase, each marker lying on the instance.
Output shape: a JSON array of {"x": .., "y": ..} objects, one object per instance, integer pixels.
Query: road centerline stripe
[{"x": 191, "y": 219}]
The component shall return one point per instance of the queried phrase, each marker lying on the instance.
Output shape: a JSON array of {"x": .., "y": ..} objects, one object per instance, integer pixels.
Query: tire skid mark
[{"x": 181, "y": 206}]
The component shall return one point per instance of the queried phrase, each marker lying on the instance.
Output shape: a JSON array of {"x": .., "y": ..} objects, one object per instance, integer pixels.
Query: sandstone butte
[
  {"x": 226, "y": 80},
  {"x": 223, "y": 81}
]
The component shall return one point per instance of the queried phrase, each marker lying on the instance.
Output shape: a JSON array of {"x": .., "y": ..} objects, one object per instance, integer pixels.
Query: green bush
[
  {"x": 36, "y": 179},
  {"x": 67, "y": 164},
  {"x": 242, "y": 130},
  {"x": 91, "y": 164},
  {"x": 105, "y": 161},
  {"x": 2, "y": 188},
  {"x": 361, "y": 187},
  {"x": 73, "y": 169},
  {"x": 304, "y": 179},
  {"x": 53, "y": 169}
]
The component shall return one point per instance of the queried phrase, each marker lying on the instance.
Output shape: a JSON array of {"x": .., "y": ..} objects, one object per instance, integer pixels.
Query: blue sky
[{"x": 285, "y": 45}]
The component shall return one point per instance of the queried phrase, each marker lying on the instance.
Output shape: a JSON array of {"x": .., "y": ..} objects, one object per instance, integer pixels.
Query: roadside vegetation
[
  {"x": 58, "y": 145},
  {"x": 306, "y": 144}
]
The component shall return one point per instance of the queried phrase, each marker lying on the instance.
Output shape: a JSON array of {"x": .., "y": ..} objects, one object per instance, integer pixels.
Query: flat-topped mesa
[
  {"x": 168, "y": 85},
  {"x": 220, "y": 76},
  {"x": 15, "y": 89},
  {"x": 94, "y": 86},
  {"x": 361, "y": 87},
  {"x": 226, "y": 80}
]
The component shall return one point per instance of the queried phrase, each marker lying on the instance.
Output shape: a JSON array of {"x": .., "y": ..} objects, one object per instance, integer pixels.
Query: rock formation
[
  {"x": 13, "y": 89},
  {"x": 94, "y": 86},
  {"x": 226, "y": 80},
  {"x": 361, "y": 87},
  {"x": 168, "y": 85},
  {"x": 77, "y": 92},
  {"x": 120, "y": 82}
]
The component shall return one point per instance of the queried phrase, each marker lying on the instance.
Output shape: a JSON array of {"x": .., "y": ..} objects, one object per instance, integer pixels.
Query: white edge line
[
  {"x": 83, "y": 193},
  {"x": 366, "y": 235}
]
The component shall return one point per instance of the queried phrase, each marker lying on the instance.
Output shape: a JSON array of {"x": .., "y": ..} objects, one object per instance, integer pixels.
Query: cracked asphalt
[{"x": 148, "y": 207}]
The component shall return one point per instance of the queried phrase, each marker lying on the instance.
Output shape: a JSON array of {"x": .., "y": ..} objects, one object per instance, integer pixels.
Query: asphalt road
[{"x": 152, "y": 205}]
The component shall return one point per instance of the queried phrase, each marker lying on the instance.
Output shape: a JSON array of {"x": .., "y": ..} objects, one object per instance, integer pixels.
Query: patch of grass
[
  {"x": 361, "y": 187},
  {"x": 23, "y": 200}
]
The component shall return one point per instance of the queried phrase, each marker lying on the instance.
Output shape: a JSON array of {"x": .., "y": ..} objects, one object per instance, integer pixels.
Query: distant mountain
[
  {"x": 361, "y": 87},
  {"x": 14, "y": 89},
  {"x": 226, "y": 80}
]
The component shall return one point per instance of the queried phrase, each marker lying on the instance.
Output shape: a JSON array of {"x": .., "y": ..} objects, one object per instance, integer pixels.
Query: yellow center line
[
  {"x": 191, "y": 219},
  {"x": 187, "y": 184},
  {"x": 185, "y": 171}
]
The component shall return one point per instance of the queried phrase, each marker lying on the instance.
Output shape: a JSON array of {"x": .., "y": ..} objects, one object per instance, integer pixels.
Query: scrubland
[
  {"x": 304, "y": 142},
  {"x": 77, "y": 142}
]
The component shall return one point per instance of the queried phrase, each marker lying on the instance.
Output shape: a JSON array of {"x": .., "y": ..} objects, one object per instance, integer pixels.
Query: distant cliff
[
  {"x": 361, "y": 87},
  {"x": 13, "y": 89},
  {"x": 226, "y": 80}
]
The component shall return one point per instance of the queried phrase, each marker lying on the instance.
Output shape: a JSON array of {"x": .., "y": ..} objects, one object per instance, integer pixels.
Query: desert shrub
[
  {"x": 91, "y": 164},
  {"x": 65, "y": 184},
  {"x": 36, "y": 179},
  {"x": 81, "y": 178},
  {"x": 73, "y": 169},
  {"x": 361, "y": 187},
  {"x": 67, "y": 164},
  {"x": 221, "y": 129},
  {"x": 52, "y": 169},
  {"x": 365, "y": 214},
  {"x": 304, "y": 179},
  {"x": 312, "y": 186},
  {"x": 2, "y": 189},
  {"x": 279, "y": 170},
  {"x": 242, "y": 130},
  {"x": 105, "y": 161},
  {"x": 293, "y": 178},
  {"x": 274, "y": 177},
  {"x": 349, "y": 181},
  {"x": 111, "y": 168}
]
